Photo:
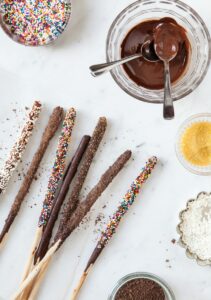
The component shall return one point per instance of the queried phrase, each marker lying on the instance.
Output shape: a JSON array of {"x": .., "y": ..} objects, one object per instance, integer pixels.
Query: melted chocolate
[{"x": 150, "y": 74}]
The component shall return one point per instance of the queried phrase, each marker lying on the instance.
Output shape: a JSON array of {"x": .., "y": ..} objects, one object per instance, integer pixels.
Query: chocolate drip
[
  {"x": 84, "y": 207},
  {"x": 48, "y": 134},
  {"x": 70, "y": 173}
]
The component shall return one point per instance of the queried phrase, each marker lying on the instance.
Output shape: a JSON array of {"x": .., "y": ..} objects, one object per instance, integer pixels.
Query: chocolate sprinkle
[{"x": 140, "y": 289}]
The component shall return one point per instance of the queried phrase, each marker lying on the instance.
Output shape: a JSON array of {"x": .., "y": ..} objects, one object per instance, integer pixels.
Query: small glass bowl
[
  {"x": 187, "y": 123},
  {"x": 142, "y": 275},
  {"x": 197, "y": 33},
  {"x": 48, "y": 39}
]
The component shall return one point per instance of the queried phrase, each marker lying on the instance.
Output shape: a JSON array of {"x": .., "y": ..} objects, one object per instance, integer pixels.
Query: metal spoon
[
  {"x": 147, "y": 51},
  {"x": 166, "y": 47}
]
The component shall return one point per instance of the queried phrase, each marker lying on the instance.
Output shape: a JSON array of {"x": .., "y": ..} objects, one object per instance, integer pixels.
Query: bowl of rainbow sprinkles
[{"x": 34, "y": 22}]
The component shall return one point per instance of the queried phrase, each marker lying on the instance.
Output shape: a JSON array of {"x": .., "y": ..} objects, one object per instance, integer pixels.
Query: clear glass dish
[
  {"x": 142, "y": 275},
  {"x": 56, "y": 28},
  {"x": 187, "y": 123},
  {"x": 197, "y": 33}
]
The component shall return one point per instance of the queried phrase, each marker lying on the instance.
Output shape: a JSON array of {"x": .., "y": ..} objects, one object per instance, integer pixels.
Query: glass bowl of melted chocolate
[
  {"x": 141, "y": 286},
  {"x": 136, "y": 25}
]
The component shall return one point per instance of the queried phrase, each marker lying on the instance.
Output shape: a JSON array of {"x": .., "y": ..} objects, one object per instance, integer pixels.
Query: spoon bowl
[
  {"x": 148, "y": 51},
  {"x": 166, "y": 47}
]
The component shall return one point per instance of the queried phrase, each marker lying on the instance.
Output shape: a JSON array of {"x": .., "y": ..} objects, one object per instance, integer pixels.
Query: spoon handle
[
  {"x": 168, "y": 108},
  {"x": 100, "y": 69}
]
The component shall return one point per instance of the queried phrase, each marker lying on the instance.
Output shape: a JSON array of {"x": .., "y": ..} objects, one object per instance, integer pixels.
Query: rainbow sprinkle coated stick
[
  {"x": 35, "y": 22},
  {"x": 112, "y": 225},
  {"x": 58, "y": 167},
  {"x": 128, "y": 200}
]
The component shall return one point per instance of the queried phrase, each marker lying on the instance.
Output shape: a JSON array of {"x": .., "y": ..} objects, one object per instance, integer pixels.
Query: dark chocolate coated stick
[
  {"x": 48, "y": 134},
  {"x": 91, "y": 150},
  {"x": 71, "y": 171},
  {"x": 85, "y": 206}
]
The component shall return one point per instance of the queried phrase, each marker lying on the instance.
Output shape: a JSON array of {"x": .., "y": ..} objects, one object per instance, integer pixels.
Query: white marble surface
[{"x": 59, "y": 74}]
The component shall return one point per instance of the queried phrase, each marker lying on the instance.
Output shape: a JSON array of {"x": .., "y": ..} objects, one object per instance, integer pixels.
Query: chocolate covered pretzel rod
[
  {"x": 114, "y": 221},
  {"x": 82, "y": 173},
  {"x": 48, "y": 134},
  {"x": 19, "y": 147},
  {"x": 85, "y": 206},
  {"x": 58, "y": 167},
  {"x": 53, "y": 183},
  {"x": 70, "y": 174},
  {"x": 81, "y": 211}
]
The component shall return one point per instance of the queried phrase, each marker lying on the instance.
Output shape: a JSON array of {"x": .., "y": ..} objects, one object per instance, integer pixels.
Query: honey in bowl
[{"x": 196, "y": 143}]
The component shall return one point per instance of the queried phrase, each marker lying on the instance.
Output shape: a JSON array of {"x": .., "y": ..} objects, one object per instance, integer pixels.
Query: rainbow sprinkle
[
  {"x": 127, "y": 202},
  {"x": 35, "y": 22},
  {"x": 58, "y": 167}
]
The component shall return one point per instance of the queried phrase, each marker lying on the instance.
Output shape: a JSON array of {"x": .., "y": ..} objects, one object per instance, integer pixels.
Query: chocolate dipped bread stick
[
  {"x": 71, "y": 171},
  {"x": 58, "y": 167},
  {"x": 19, "y": 147},
  {"x": 83, "y": 171},
  {"x": 48, "y": 134},
  {"x": 85, "y": 206}
]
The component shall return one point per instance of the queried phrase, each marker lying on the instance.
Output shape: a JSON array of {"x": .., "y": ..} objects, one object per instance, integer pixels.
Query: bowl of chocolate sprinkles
[{"x": 141, "y": 286}]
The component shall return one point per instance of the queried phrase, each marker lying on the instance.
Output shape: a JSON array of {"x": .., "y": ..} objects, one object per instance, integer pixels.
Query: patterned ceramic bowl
[{"x": 194, "y": 229}]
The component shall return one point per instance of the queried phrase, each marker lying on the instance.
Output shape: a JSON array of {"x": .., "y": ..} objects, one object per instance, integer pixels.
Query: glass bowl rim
[
  {"x": 187, "y": 7},
  {"x": 143, "y": 275},
  {"x": 178, "y": 136}
]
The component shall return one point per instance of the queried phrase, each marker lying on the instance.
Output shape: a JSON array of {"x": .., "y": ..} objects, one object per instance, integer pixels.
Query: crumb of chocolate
[
  {"x": 99, "y": 218},
  {"x": 139, "y": 145},
  {"x": 173, "y": 241},
  {"x": 140, "y": 289},
  {"x": 167, "y": 260}
]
